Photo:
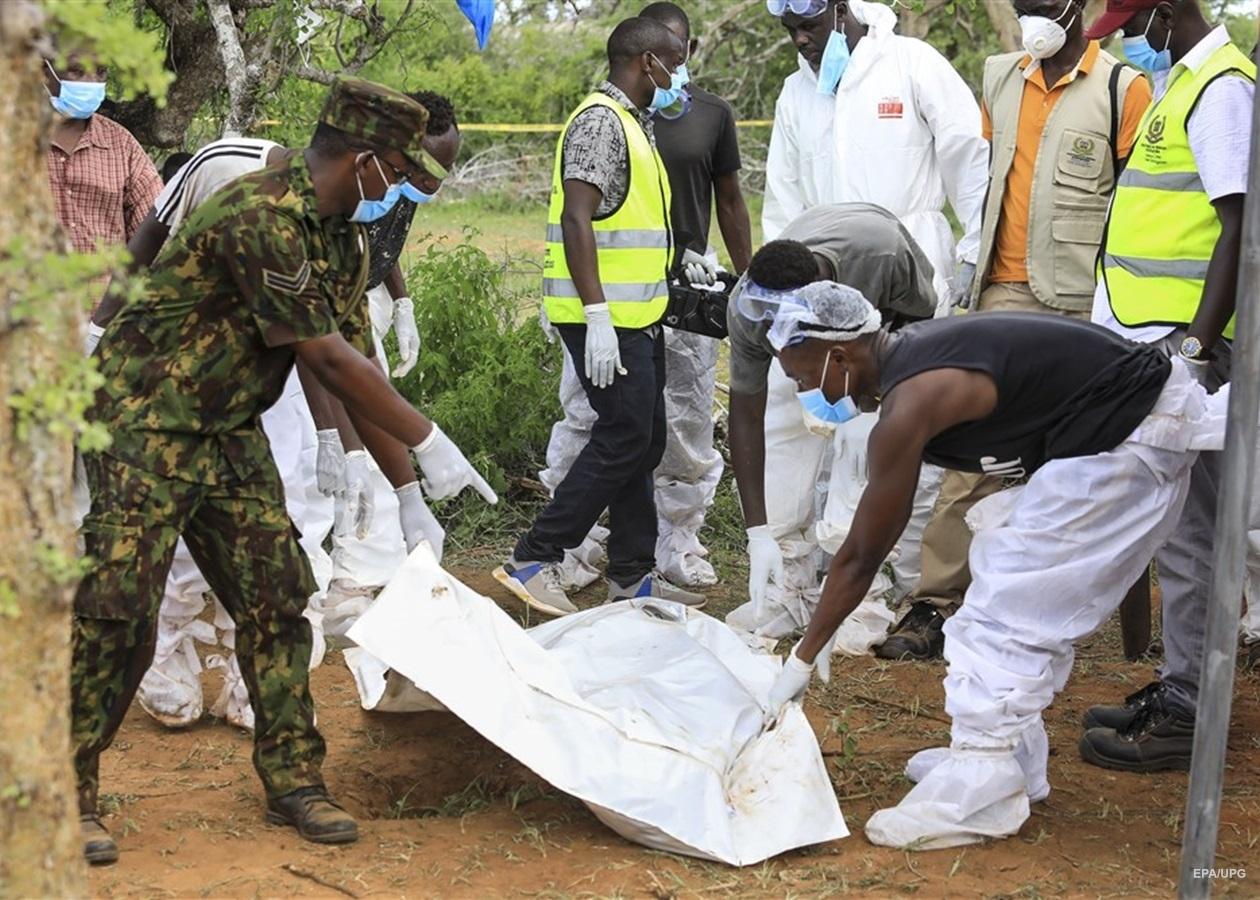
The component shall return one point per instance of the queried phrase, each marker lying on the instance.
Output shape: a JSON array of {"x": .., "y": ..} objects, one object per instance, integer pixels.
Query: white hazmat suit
[
  {"x": 902, "y": 132},
  {"x": 1050, "y": 563}
]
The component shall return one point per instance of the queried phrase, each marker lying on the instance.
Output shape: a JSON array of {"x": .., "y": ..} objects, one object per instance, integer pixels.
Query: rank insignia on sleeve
[{"x": 286, "y": 283}]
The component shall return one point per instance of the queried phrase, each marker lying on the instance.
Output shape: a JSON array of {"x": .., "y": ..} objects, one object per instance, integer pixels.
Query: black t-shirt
[
  {"x": 696, "y": 148},
  {"x": 386, "y": 238},
  {"x": 1065, "y": 388}
]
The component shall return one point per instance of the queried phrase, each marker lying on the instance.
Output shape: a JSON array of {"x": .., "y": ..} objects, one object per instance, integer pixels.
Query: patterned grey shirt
[{"x": 595, "y": 149}]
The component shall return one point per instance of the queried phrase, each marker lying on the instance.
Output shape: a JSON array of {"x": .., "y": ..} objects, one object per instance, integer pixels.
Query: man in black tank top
[{"x": 1106, "y": 431}]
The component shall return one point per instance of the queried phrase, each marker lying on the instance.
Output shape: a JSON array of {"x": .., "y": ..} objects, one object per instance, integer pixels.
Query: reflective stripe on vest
[
  {"x": 1163, "y": 229},
  {"x": 632, "y": 243}
]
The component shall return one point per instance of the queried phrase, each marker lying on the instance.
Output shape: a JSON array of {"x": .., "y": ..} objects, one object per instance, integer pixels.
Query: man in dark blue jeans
[{"x": 605, "y": 289}]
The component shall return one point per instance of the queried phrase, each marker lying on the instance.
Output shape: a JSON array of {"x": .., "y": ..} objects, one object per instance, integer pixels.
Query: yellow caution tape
[
  {"x": 541, "y": 128},
  {"x": 553, "y": 128}
]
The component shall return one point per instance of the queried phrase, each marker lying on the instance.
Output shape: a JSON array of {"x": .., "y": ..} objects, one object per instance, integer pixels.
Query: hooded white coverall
[{"x": 902, "y": 132}]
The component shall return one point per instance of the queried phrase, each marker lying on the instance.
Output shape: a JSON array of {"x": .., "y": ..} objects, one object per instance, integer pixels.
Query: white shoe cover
[
  {"x": 923, "y": 762},
  {"x": 1026, "y": 754},
  {"x": 170, "y": 691},
  {"x": 969, "y": 797},
  {"x": 583, "y": 565},
  {"x": 342, "y": 605},
  {"x": 233, "y": 701}
]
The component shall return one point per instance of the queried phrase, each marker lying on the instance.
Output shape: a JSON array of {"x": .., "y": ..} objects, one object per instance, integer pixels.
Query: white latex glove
[
  {"x": 549, "y": 331},
  {"x": 407, "y": 334},
  {"x": 960, "y": 287},
  {"x": 92, "y": 338},
  {"x": 446, "y": 470},
  {"x": 330, "y": 462},
  {"x": 603, "y": 352},
  {"x": 355, "y": 504},
  {"x": 698, "y": 269},
  {"x": 417, "y": 520},
  {"x": 789, "y": 687},
  {"x": 765, "y": 561}
]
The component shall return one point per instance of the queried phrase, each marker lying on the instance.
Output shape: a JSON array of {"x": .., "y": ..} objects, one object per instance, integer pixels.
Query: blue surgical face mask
[
  {"x": 820, "y": 414},
  {"x": 835, "y": 59},
  {"x": 1138, "y": 50},
  {"x": 371, "y": 210},
  {"x": 414, "y": 194},
  {"x": 77, "y": 99},
  {"x": 666, "y": 97}
]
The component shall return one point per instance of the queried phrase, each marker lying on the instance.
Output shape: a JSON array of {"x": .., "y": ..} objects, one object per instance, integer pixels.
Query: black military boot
[
  {"x": 99, "y": 848},
  {"x": 311, "y": 811},
  {"x": 1120, "y": 717},
  {"x": 917, "y": 636},
  {"x": 1159, "y": 739}
]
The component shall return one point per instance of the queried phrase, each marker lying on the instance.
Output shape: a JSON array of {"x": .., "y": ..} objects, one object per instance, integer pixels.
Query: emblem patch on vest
[
  {"x": 1083, "y": 152},
  {"x": 1153, "y": 146},
  {"x": 891, "y": 108}
]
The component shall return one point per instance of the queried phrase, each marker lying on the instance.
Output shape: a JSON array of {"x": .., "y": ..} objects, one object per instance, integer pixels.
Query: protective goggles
[{"x": 805, "y": 8}]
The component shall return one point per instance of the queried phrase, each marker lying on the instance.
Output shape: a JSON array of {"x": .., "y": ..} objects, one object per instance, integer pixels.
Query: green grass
[{"x": 511, "y": 231}]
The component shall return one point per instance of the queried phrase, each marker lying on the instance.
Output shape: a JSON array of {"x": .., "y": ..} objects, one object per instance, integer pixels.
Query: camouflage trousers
[{"x": 242, "y": 539}]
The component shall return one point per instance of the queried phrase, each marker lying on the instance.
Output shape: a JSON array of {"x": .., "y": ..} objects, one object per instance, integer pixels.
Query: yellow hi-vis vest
[
  {"x": 632, "y": 242},
  {"x": 1162, "y": 228}
]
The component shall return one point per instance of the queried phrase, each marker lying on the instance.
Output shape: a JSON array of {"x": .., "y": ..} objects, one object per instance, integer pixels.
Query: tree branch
[
  {"x": 235, "y": 71},
  {"x": 310, "y": 73}
]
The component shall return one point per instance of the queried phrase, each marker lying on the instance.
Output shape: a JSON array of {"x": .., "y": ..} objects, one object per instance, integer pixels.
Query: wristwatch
[{"x": 1192, "y": 350}]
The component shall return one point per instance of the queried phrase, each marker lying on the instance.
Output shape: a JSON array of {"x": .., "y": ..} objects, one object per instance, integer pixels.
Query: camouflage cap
[{"x": 377, "y": 114}]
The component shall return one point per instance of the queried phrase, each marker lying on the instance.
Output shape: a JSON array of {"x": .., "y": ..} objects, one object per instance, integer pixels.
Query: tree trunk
[
  {"x": 40, "y": 850},
  {"x": 1005, "y": 23}
]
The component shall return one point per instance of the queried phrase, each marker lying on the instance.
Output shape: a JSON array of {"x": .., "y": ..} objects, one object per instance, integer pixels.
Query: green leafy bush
[{"x": 486, "y": 373}]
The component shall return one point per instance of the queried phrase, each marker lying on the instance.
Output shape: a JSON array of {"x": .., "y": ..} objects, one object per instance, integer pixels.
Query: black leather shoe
[
  {"x": 1121, "y": 717},
  {"x": 917, "y": 636},
  {"x": 1160, "y": 739},
  {"x": 99, "y": 848},
  {"x": 314, "y": 815}
]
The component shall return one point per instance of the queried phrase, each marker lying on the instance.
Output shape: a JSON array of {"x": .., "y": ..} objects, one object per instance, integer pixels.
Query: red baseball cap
[{"x": 1117, "y": 13}]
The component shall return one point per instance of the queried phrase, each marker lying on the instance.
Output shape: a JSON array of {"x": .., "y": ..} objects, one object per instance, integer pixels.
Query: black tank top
[{"x": 1065, "y": 388}]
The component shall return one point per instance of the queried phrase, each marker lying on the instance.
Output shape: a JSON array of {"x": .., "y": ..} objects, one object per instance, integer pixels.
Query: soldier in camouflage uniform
[{"x": 269, "y": 267}]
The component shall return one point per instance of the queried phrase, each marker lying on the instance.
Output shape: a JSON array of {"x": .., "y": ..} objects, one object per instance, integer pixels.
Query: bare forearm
[
  {"x": 1221, "y": 285},
  {"x": 579, "y": 253},
  {"x": 848, "y": 579},
  {"x": 143, "y": 249},
  {"x": 317, "y": 397},
  {"x": 732, "y": 216},
  {"x": 346, "y": 427},
  {"x": 748, "y": 454},
  {"x": 359, "y": 383},
  {"x": 389, "y": 454},
  {"x": 394, "y": 282}
]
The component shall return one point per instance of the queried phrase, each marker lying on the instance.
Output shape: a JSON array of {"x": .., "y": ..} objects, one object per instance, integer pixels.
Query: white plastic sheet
[{"x": 649, "y": 713}]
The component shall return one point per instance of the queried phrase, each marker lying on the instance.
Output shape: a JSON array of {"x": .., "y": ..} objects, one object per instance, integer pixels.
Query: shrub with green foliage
[{"x": 486, "y": 373}]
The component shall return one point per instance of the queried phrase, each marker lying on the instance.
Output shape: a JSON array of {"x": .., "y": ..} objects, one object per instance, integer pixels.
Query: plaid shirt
[{"x": 104, "y": 187}]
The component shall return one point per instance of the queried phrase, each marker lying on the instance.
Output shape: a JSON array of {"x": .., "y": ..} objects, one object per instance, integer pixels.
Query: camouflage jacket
[{"x": 191, "y": 366}]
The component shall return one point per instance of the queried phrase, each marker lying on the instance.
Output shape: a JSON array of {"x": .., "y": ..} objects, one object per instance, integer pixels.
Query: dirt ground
[{"x": 443, "y": 813}]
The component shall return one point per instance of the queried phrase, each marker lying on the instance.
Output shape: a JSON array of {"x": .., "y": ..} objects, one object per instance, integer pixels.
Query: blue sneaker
[
  {"x": 654, "y": 584},
  {"x": 538, "y": 584}
]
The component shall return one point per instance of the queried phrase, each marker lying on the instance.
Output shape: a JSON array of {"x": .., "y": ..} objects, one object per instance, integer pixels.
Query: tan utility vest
[{"x": 1073, "y": 177}]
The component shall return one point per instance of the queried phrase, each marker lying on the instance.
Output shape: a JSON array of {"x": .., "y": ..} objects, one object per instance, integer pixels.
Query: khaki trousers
[{"x": 947, "y": 539}]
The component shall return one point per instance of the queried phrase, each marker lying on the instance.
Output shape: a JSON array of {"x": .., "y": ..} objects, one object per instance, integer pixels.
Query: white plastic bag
[{"x": 648, "y": 712}]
